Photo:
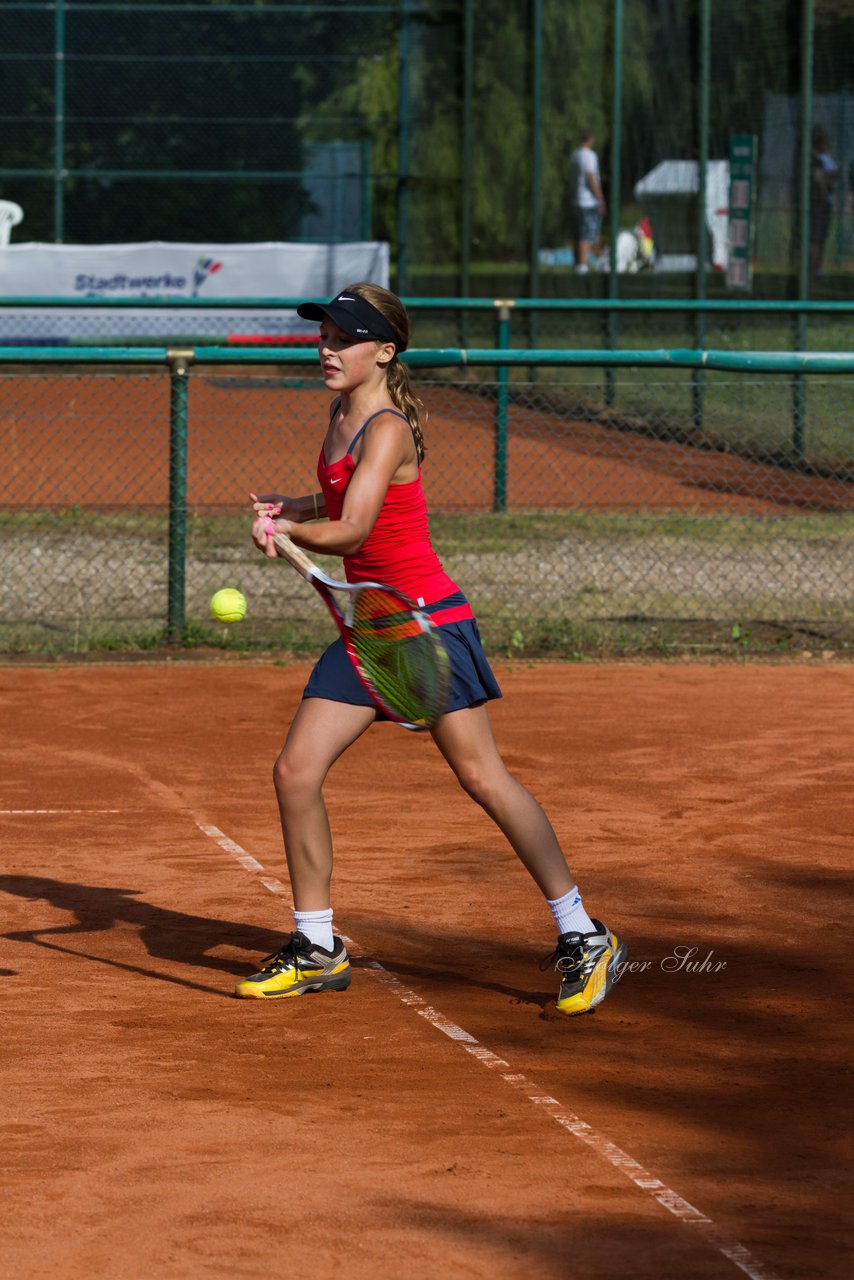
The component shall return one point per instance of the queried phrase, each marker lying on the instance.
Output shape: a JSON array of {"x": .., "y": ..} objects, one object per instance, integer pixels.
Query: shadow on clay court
[
  {"x": 728, "y": 1044},
  {"x": 721, "y": 1020},
  {"x": 166, "y": 934},
  {"x": 544, "y": 1243},
  {"x": 443, "y": 978}
]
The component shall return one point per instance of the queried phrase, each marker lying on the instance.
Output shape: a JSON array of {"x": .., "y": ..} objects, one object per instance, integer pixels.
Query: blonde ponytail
[{"x": 400, "y": 390}]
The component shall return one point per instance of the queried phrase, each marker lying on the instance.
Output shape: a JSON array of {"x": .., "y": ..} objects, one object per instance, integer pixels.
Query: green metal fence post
[
  {"x": 614, "y": 193},
  {"x": 404, "y": 55},
  {"x": 502, "y": 403},
  {"x": 697, "y": 382},
  {"x": 466, "y": 160},
  {"x": 799, "y": 390},
  {"x": 536, "y": 172},
  {"x": 179, "y": 364},
  {"x": 59, "y": 122}
]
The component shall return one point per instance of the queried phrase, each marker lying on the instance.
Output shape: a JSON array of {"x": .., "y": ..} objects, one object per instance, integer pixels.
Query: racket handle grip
[{"x": 294, "y": 554}]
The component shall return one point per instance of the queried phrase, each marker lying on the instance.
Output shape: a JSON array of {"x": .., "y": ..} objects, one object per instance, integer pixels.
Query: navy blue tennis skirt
[{"x": 472, "y": 679}]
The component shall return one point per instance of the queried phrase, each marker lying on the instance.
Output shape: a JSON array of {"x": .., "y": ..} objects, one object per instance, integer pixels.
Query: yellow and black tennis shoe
[
  {"x": 589, "y": 965},
  {"x": 300, "y": 967}
]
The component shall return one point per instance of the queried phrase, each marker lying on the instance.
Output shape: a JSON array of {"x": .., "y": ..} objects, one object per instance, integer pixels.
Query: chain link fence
[
  {"x": 445, "y": 129},
  {"x": 583, "y": 511}
]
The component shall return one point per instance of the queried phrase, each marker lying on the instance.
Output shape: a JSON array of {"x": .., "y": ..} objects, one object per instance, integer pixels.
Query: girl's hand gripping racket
[{"x": 398, "y": 653}]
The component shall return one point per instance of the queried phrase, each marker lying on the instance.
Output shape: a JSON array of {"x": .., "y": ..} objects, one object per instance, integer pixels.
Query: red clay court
[{"x": 438, "y": 1118}]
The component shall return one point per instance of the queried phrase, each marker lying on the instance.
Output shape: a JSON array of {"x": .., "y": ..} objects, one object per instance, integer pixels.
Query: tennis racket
[{"x": 395, "y": 648}]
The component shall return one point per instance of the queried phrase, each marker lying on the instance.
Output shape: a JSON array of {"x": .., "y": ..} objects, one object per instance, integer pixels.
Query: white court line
[
  {"x": 641, "y": 1177},
  {"x": 8, "y": 812}
]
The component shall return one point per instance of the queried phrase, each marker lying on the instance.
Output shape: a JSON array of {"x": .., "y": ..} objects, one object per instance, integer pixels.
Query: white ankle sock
[
  {"x": 316, "y": 925},
  {"x": 569, "y": 913}
]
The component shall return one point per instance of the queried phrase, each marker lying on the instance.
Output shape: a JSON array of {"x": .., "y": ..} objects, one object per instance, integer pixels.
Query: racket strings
[{"x": 405, "y": 662}]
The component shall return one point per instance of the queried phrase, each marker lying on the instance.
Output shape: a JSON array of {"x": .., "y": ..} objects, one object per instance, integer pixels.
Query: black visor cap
[{"x": 355, "y": 315}]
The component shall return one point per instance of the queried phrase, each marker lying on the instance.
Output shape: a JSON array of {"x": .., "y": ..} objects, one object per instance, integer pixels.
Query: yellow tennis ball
[{"x": 228, "y": 605}]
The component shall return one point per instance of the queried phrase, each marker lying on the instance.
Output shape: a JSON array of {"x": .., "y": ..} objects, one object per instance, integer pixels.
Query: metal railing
[{"x": 790, "y": 317}]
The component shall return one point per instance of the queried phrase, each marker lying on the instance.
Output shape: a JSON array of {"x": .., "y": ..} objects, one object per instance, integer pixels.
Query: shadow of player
[{"x": 166, "y": 934}]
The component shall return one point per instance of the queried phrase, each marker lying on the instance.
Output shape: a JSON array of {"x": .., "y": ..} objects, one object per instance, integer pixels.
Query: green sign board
[{"x": 743, "y": 153}]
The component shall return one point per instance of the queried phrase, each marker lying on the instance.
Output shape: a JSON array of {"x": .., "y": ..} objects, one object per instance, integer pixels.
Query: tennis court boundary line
[
  {"x": 7, "y": 813},
  {"x": 642, "y": 1178}
]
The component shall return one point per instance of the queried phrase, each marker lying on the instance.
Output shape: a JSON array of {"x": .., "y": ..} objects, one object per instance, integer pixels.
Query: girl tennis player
[{"x": 369, "y": 473}]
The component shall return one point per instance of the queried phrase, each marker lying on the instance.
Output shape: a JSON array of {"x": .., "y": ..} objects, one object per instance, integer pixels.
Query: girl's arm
[
  {"x": 387, "y": 454},
  {"x": 311, "y": 506}
]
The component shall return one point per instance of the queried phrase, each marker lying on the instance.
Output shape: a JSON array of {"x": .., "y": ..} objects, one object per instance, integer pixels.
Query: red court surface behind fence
[
  {"x": 103, "y": 440},
  {"x": 439, "y": 1118}
]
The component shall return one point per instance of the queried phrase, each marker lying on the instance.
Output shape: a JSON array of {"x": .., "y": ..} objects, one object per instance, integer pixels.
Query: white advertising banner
[
  {"x": 164, "y": 270},
  {"x": 160, "y": 269}
]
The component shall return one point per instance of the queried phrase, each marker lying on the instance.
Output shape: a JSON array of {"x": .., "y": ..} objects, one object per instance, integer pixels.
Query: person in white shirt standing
[
  {"x": 824, "y": 173},
  {"x": 588, "y": 202}
]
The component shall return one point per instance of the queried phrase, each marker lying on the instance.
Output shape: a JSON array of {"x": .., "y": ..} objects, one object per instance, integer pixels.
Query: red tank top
[{"x": 398, "y": 550}]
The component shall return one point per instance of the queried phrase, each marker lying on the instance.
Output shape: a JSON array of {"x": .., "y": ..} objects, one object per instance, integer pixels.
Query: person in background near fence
[
  {"x": 369, "y": 472},
  {"x": 824, "y": 172},
  {"x": 588, "y": 202}
]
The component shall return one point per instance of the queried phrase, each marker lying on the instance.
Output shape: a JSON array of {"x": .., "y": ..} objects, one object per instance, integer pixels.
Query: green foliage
[
  {"x": 362, "y": 104},
  {"x": 255, "y": 88}
]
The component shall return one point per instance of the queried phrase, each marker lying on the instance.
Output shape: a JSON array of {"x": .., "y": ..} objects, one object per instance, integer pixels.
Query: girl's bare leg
[
  {"x": 320, "y": 732},
  {"x": 466, "y": 741}
]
